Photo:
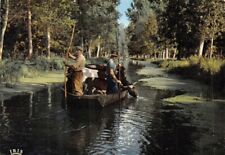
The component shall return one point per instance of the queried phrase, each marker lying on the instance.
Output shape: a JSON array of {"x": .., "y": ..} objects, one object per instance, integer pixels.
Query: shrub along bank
[
  {"x": 13, "y": 71},
  {"x": 209, "y": 71}
]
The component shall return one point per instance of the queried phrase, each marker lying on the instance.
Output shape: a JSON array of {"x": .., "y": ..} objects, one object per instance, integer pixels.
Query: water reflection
[{"x": 31, "y": 104}]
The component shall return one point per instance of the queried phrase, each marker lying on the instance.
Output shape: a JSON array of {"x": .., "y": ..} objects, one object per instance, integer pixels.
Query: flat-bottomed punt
[{"x": 101, "y": 100}]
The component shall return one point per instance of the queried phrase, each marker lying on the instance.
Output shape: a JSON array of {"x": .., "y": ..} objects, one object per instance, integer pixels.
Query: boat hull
[{"x": 96, "y": 100}]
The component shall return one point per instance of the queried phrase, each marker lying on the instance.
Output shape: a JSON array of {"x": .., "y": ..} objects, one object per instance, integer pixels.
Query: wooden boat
[{"x": 101, "y": 100}]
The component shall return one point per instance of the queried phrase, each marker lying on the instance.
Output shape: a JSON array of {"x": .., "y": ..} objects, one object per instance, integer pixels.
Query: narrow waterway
[{"x": 42, "y": 124}]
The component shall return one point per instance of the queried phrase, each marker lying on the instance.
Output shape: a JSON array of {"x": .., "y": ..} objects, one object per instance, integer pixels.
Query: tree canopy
[
  {"x": 51, "y": 25},
  {"x": 184, "y": 25}
]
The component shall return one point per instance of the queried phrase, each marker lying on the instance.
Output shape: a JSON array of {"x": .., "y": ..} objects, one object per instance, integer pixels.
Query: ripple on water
[{"x": 125, "y": 135}]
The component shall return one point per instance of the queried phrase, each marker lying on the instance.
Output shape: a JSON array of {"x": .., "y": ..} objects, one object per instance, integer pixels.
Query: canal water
[{"x": 42, "y": 124}]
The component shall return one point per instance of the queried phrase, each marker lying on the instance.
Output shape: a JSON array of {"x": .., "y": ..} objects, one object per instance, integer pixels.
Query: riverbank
[
  {"x": 30, "y": 76},
  {"x": 30, "y": 84},
  {"x": 204, "y": 70},
  {"x": 192, "y": 91}
]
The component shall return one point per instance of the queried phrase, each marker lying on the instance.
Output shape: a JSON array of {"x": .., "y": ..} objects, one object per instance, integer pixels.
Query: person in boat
[
  {"x": 97, "y": 85},
  {"x": 121, "y": 75},
  {"x": 111, "y": 79},
  {"x": 75, "y": 79}
]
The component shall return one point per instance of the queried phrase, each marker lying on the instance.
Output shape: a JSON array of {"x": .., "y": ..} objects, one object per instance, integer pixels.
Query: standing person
[
  {"x": 77, "y": 71},
  {"x": 112, "y": 81}
]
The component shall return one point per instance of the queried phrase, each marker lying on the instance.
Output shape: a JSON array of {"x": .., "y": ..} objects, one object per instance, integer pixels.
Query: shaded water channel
[{"x": 42, "y": 124}]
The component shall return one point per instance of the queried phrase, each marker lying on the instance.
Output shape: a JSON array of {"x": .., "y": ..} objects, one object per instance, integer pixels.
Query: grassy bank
[
  {"x": 38, "y": 70},
  {"x": 18, "y": 71},
  {"x": 209, "y": 71},
  {"x": 26, "y": 77}
]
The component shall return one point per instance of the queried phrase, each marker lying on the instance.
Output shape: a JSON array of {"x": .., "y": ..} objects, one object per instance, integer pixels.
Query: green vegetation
[
  {"x": 174, "y": 64},
  {"x": 44, "y": 64},
  {"x": 44, "y": 78},
  {"x": 28, "y": 53},
  {"x": 190, "y": 99},
  {"x": 185, "y": 99},
  {"x": 176, "y": 28},
  {"x": 13, "y": 71},
  {"x": 210, "y": 71},
  {"x": 39, "y": 70},
  {"x": 49, "y": 27},
  {"x": 211, "y": 66},
  {"x": 185, "y": 37}
]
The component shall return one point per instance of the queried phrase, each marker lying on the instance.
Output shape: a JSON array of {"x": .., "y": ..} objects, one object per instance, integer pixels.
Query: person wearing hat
[
  {"x": 77, "y": 71},
  {"x": 112, "y": 81}
]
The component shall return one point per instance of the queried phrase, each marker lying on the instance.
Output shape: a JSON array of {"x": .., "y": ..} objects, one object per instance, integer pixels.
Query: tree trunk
[
  {"x": 99, "y": 46},
  {"x": 98, "y": 49},
  {"x": 4, "y": 25},
  {"x": 174, "y": 53},
  {"x": 0, "y": 10},
  {"x": 211, "y": 48},
  {"x": 201, "y": 46},
  {"x": 89, "y": 49},
  {"x": 30, "y": 46},
  {"x": 48, "y": 42},
  {"x": 82, "y": 42},
  {"x": 163, "y": 55},
  {"x": 167, "y": 53}
]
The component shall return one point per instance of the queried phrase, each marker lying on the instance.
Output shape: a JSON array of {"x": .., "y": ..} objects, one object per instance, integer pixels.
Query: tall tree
[
  {"x": 208, "y": 19},
  {"x": 52, "y": 18},
  {"x": 215, "y": 21},
  {"x": 96, "y": 19},
  {"x": 143, "y": 27},
  {"x": 150, "y": 35},
  {"x": 4, "y": 20},
  {"x": 188, "y": 24},
  {"x": 29, "y": 26}
]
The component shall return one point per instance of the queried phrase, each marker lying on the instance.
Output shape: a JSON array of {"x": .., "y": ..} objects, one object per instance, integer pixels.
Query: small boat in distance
[{"x": 95, "y": 100}]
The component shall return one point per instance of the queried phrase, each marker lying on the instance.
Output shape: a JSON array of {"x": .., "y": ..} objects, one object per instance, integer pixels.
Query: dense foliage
[
  {"x": 41, "y": 27},
  {"x": 12, "y": 71},
  {"x": 177, "y": 27}
]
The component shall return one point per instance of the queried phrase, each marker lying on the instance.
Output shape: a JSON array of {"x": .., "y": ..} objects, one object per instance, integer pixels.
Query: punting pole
[{"x": 66, "y": 58}]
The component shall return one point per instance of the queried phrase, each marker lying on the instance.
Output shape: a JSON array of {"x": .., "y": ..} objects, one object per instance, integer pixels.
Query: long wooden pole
[
  {"x": 66, "y": 58},
  {"x": 117, "y": 43}
]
